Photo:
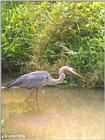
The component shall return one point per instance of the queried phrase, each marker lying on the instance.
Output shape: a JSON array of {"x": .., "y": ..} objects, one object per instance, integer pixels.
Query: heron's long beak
[{"x": 78, "y": 75}]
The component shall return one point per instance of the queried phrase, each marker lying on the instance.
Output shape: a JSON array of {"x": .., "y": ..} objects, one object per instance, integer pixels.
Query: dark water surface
[{"x": 64, "y": 114}]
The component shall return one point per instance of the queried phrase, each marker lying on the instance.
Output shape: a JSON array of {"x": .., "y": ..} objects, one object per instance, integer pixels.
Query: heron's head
[{"x": 72, "y": 70}]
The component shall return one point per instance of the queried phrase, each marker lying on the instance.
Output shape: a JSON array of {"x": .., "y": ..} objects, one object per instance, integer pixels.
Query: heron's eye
[{"x": 74, "y": 69}]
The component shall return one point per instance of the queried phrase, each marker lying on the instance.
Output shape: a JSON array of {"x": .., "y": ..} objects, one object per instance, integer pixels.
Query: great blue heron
[{"x": 37, "y": 79}]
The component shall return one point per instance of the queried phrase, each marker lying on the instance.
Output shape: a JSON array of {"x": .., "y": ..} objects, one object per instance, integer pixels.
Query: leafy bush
[{"x": 48, "y": 35}]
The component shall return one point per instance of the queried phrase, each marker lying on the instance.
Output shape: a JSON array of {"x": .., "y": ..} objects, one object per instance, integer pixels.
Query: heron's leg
[
  {"x": 37, "y": 98},
  {"x": 36, "y": 94},
  {"x": 29, "y": 95}
]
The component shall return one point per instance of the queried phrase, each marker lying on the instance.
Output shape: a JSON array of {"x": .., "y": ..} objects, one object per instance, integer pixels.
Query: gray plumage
[{"x": 31, "y": 80}]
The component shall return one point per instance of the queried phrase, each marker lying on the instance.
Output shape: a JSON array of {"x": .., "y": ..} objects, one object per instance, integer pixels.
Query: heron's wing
[
  {"x": 36, "y": 79},
  {"x": 38, "y": 75},
  {"x": 33, "y": 79}
]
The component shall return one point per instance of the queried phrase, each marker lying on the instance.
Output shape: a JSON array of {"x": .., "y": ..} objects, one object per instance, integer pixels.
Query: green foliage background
[{"x": 48, "y": 35}]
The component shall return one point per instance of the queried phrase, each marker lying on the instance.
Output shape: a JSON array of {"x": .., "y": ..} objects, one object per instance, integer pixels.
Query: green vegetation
[{"x": 48, "y": 35}]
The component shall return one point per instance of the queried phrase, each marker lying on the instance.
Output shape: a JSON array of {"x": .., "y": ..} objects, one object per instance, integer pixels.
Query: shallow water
[{"x": 64, "y": 114}]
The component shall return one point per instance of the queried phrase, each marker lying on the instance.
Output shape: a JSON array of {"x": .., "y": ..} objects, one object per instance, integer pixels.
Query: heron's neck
[{"x": 59, "y": 80}]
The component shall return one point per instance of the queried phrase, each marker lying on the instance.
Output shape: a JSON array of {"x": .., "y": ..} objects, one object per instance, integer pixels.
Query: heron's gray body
[
  {"x": 31, "y": 80},
  {"x": 40, "y": 78}
]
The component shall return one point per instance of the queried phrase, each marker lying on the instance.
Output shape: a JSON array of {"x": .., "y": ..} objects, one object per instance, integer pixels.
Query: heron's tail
[{"x": 11, "y": 84}]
